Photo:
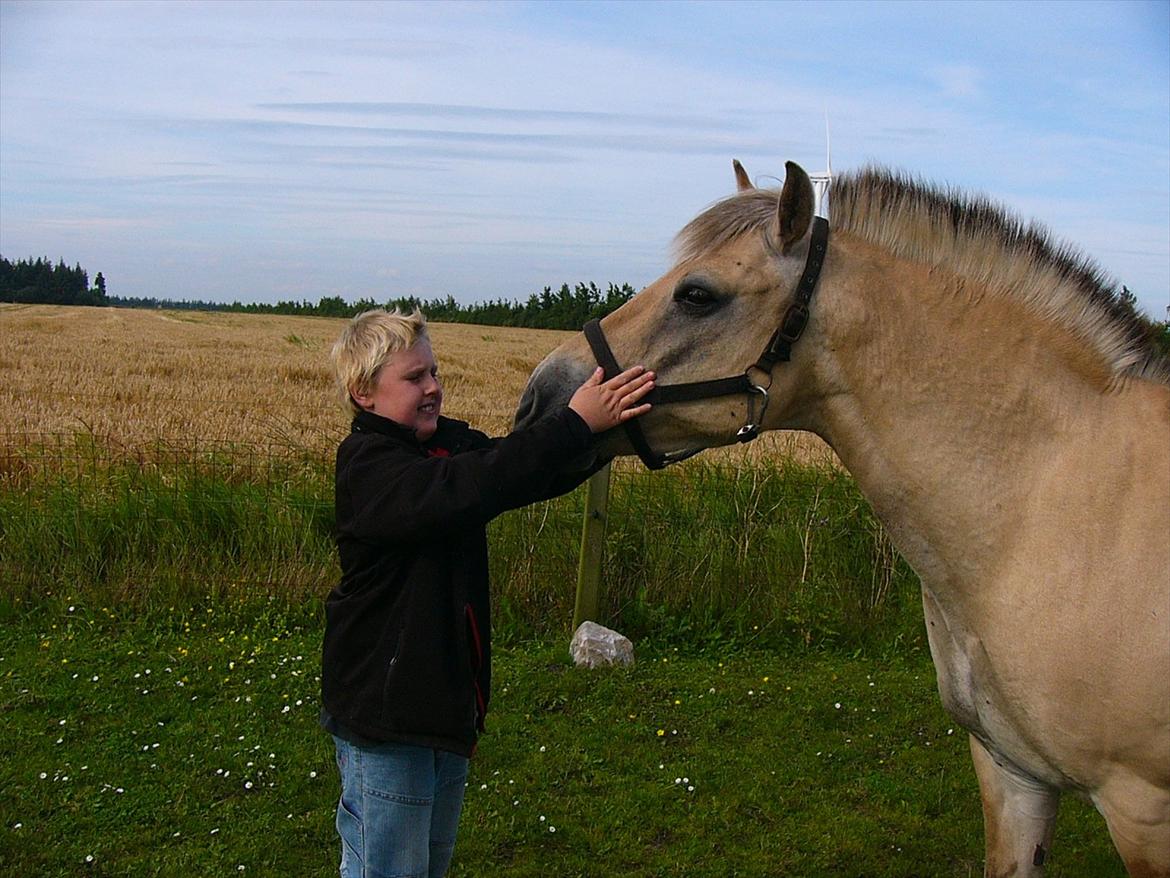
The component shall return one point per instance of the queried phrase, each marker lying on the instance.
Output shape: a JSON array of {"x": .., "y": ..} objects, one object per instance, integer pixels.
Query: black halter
[{"x": 779, "y": 350}]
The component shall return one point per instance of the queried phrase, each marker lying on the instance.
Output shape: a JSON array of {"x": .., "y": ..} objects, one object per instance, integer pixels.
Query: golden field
[{"x": 130, "y": 377}]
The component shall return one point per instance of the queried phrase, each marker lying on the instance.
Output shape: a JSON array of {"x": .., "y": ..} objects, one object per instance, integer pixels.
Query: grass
[
  {"x": 770, "y": 554},
  {"x": 185, "y": 742},
  {"x": 179, "y": 524},
  {"x": 136, "y": 374}
]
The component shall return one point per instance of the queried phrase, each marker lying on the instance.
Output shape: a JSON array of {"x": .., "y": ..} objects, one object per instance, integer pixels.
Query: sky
[{"x": 287, "y": 151}]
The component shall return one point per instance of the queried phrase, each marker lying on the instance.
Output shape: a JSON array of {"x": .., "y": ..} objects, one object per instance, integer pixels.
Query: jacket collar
[
  {"x": 368, "y": 422},
  {"x": 447, "y": 435}
]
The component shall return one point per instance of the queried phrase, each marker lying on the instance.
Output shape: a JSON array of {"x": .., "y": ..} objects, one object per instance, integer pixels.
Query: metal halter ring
[{"x": 751, "y": 429}]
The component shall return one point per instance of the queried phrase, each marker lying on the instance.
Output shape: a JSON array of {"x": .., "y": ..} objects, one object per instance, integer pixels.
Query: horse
[{"x": 977, "y": 379}]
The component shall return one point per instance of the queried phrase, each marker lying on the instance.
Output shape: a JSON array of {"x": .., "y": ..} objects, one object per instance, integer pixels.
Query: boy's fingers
[
  {"x": 631, "y": 384},
  {"x": 634, "y": 412},
  {"x": 596, "y": 377},
  {"x": 627, "y": 376},
  {"x": 636, "y": 390}
]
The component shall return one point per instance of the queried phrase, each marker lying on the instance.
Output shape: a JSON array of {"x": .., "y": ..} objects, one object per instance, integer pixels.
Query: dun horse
[{"x": 1010, "y": 434}]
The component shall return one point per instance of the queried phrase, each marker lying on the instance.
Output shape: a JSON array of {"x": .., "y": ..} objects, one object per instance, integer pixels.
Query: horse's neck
[{"x": 939, "y": 401}]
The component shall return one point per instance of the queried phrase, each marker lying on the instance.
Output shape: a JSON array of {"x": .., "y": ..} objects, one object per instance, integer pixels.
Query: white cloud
[{"x": 490, "y": 149}]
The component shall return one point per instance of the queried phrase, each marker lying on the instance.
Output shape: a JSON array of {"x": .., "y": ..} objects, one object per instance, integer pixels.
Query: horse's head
[{"x": 734, "y": 293}]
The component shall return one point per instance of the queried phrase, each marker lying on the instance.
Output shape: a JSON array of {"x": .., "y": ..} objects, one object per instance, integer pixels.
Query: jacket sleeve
[{"x": 396, "y": 495}]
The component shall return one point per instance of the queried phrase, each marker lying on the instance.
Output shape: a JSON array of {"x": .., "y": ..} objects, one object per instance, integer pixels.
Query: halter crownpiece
[{"x": 778, "y": 350}]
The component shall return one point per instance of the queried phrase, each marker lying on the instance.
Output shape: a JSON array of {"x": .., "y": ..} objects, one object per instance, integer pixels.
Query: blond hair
[{"x": 367, "y": 343}]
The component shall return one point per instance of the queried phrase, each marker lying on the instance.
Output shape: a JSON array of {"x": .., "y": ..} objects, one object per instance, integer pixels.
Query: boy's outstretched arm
[{"x": 605, "y": 404}]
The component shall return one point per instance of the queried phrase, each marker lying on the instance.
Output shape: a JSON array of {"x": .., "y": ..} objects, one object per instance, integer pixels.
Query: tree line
[
  {"x": 42, "y": 282},
  {"x": 567, "y": 308},
  {"x": 39, "y": 281}
]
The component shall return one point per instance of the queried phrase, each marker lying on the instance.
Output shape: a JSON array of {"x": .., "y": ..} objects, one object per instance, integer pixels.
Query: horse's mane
[{"x": 972, "y": 237}]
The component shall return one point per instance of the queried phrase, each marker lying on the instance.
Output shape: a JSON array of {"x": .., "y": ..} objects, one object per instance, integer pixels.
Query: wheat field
[{"x": 129, "y": 377}]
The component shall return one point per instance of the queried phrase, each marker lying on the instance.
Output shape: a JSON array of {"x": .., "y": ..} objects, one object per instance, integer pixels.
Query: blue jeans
[{"x": 399, "y": 810}]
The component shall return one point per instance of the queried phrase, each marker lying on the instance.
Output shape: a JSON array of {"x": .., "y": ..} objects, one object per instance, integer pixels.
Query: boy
[{"x": 406, "y": 662}]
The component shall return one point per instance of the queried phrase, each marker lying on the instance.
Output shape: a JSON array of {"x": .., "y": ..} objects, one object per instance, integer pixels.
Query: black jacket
[{"x": 407, "y": 653}]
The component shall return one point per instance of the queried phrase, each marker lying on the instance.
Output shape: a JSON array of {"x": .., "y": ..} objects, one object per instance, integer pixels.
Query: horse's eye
[{"x": 695, "y": 299}]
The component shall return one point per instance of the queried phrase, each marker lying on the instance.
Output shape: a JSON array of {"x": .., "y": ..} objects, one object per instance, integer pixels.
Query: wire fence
[
  {"x": 28, "y": 457},
  {"x": 171, "y": 520}
]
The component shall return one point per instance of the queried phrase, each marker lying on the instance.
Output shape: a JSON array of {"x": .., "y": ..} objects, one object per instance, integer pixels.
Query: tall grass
[
  {"x": 771, "y": 552},
  {"x": 171, "y": 523},
  {"x": 768, "y": 552}
]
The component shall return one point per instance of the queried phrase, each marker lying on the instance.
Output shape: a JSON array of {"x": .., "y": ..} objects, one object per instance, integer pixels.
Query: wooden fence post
[{"x": 592, "y": 547}]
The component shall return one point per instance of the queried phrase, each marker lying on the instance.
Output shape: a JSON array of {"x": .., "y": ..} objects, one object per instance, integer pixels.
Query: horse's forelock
[{"x": 725, "y": 221}]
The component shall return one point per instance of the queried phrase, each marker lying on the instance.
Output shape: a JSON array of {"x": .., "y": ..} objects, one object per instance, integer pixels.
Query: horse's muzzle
[{"x": 550, "y": 388}]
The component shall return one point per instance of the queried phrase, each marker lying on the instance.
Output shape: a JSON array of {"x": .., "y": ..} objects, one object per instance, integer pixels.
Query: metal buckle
[
  {"x": 794, "y": 322},
  {"x": 751, "y": 429}
]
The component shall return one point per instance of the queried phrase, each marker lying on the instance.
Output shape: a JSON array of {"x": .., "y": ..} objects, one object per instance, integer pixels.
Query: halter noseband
[{"x": 778, "y": 350}]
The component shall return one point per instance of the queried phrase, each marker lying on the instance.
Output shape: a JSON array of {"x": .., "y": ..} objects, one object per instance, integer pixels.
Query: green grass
[
  {"x": 159, "y": 680},
  {"x": 185, "y": 743},
  {"x": 176, "y": 525},
  {"x": 771, "y": 554}
]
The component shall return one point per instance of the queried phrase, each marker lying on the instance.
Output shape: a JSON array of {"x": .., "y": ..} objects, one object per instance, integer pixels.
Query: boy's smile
[{"x": 407, "y": 390}]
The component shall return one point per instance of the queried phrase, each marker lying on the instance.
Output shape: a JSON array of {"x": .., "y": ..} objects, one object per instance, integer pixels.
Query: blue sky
[{"x": 266, "y": 151}]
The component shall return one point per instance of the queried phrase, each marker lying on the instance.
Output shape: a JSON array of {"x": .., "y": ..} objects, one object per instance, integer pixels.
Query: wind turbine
[{"x": 822, "y": 182}]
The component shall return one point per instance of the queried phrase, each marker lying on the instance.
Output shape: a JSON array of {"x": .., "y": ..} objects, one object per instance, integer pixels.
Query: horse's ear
[
  {"x": 795, "y": 212},
  {"x": 742, "y": 181}
]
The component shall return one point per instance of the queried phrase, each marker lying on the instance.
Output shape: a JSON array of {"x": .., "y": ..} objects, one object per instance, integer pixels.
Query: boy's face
[{"x": 407, "y": 390}]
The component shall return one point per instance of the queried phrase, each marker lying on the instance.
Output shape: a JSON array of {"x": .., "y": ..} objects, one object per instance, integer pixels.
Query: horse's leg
[
  {"x": 1018, "y": 817},
  {"x": 1138, "y": 816}
]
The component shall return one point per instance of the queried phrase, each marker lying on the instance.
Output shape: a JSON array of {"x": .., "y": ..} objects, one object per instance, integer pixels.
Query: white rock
[{"x": 595, "y": 646}]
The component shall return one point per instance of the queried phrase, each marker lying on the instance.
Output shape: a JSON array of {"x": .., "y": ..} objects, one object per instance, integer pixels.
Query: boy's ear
[{"x": 364, "y": 400}]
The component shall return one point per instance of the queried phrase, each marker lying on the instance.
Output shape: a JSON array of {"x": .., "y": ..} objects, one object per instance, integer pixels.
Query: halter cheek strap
[{"x": 778, "y": 350}]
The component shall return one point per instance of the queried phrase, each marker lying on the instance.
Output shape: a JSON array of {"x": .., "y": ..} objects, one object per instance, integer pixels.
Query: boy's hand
[{"x": 603, "y": 405}]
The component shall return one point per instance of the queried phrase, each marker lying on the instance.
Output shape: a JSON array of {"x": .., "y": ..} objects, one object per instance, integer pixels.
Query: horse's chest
[
  {"x": 959, "y": 686},
  {"x": 972, "y": 692}
]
